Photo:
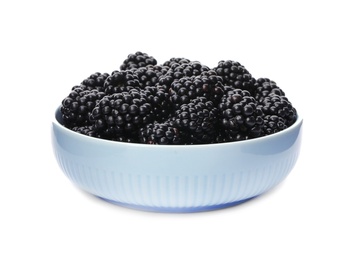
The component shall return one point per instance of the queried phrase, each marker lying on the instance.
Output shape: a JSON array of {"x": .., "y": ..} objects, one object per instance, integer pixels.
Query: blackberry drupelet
[
  {"x": 277, "y": 105},
  {"x": 120, "y": 115},
  {"x": 198, "y": 119},
  {"x": 77, "y": 106},
  {"x": 137, "y": 60},
  {"x": 264, "y": 86},
  {"x": 235, "y": 75},
  {"x": 121, "y": 81},
  {"x": 160, "y": 133},
  {"x": 240, "y": 117}
]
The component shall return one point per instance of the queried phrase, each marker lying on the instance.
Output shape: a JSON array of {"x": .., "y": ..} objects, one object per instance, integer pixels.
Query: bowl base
[{"x": 177, "y": 209}]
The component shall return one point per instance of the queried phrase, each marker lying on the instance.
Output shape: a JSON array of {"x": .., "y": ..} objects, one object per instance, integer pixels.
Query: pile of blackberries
[{"x": 179, "y": 102}]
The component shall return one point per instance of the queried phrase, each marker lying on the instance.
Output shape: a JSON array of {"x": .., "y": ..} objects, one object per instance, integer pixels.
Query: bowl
[{"x": 176, "y": 178}]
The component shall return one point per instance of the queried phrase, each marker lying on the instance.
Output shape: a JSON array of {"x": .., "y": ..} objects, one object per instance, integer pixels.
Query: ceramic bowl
[{"x": 176, "y": 178}]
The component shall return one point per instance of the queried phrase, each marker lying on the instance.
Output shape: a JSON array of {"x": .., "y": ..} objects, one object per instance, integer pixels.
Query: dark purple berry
[
  {"x": 137, "y": 60},
  {"x": 235, "y": 75}
]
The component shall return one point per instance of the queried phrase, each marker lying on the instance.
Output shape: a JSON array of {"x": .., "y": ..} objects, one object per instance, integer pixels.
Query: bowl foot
[{"x": 177, "y": 209}]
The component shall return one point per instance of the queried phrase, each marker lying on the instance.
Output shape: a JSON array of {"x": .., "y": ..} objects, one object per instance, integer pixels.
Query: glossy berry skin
[
  {"x": 137, "y": 60},
  {"x": 280, "y": 106},
  {"x": 264, "y": 87},
  {"x": 273, "y": 124},
  {"x": 159, "y": 99},
  {"x": 94, "y": 81},
  {"x": 122, "y": 114},
  {"x": 235, "y": 75},
  {"x": 185, "y": 89},
  {"x": 160, "y": 133},
  {"x": 77, "y": 106},
  {"x": 150, "y": 74},
  {"x": 175, "y": 60},
  {"x": 193, "y": 68},
  {"x": 178, "y": 71},
  {"x": 86, "y": 130},
  {"x": 121, "y": 81},
  {"x": 240, "y": 117},
  {"x": 197, "y": 119}
]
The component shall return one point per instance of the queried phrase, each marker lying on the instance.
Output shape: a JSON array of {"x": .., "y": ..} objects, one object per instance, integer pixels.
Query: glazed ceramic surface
[{"x": 176, "y": 178}]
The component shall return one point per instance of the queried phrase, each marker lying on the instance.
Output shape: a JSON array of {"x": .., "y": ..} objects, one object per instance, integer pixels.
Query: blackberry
[
  {"x": 137, "y": 60},
  {"x": 212, "y": 86},
  {"x": 86, "y": 130},
  {"x": 264, "y": 86},
  {"x": 149, "y": 75},
  {"x": 121, "y": 81},
  {"x": 273, "y": 124},
  {"x": 198, "y": 119},
  {"x": 177, "y": 71},
  {"x": 277, "y": 105},
  {"x": 240, "y": 117},
  {"x": 193, "y": 68},
  {"x": 77, "y": 106},
  {"x": 122, "y": 114},
  {"x": 159, "y": 99},
  {"x": 160, "y": 133},
  {"x": 235, "y": 75},
  {"x": 174, "y": 60},
  {"x": 126, "y": 138},
  {"x": 207, "y": 85},
  {"x": 95, "y": 81}
]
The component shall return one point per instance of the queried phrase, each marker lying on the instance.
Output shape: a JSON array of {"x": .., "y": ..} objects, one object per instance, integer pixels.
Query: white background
[{"x": 308, "y": 47}]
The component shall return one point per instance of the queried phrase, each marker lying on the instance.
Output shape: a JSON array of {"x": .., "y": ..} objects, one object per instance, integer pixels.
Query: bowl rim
[{"x": 83, "y": 137}]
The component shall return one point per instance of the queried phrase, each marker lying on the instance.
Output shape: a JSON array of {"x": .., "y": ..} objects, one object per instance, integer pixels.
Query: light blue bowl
[{"x": 176, "y": 178}]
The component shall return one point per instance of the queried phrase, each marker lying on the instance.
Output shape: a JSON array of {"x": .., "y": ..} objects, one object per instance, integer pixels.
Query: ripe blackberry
[
  {"x": 193, "y": 68},
  {"x": 122, "y": 114},
  {"x": 235, "y": 75},
  {"x": 207, "y": 85},
  {"x": 174, "y": 60},
  {"x": 77, "y": 106},
  {"x": 198, "y": 119},
  {"x": 86, "y": 130},
  {"x": 264, "y": 86},
  {"x": 277, "y": 105},
  {"x": 125, "y": 138},
  {"x": 160, "y": 133},
  {"x": 137, "y": 60},
  {"x": 94, "y": 81},
  {"x": 159, "y": 99},
  {"x": 273, "y": 124},
  {"x": 212, "y": 85},
  {"x": 178, "y": 71},
  {"x": 240, "y": 117},
  {"x": 121, "y": 81},
  {"x": 149, "y": 75}
]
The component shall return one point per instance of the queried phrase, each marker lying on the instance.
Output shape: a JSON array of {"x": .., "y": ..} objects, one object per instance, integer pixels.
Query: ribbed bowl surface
[{"x": 176, "y": 178}]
